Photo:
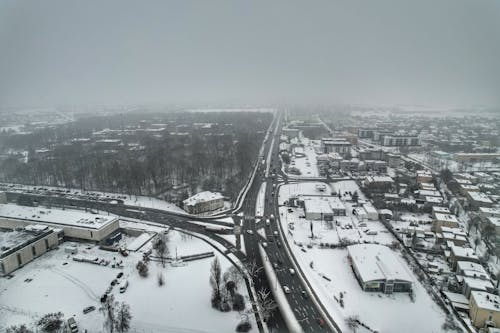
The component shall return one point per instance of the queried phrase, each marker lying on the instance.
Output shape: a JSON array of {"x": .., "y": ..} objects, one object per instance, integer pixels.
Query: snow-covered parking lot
[{"x": 54, "y": 282}]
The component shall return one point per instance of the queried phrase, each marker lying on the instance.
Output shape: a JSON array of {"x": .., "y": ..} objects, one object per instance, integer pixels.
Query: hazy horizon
[{"x": 389, "y": 52}]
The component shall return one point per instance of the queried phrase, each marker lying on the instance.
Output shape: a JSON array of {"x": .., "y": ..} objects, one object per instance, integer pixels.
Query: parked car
[
  {"x": 123, "y": 286},
  {"x": 286, "y": 289},
  {"x": 88, "y": 309},
  {"x": 292, "y": 271},
  {"x": 72, "y": 325},
  {"x": 119, "y": 275}
]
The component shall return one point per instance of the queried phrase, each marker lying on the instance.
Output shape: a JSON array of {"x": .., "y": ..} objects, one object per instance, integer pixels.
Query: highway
[{"x": 303, "y": 307}]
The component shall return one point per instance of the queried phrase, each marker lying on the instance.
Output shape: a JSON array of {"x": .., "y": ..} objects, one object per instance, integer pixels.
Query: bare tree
[
  {"x": 215, "y": 282},
  {"x": 263, "y": 303},
  {"x": 51, "y": 322},
  {"x": 108, "y": 310},
  {"x": 161, "y": 248},
  {"x": 122, "y": 317},
  {"x": 253, "y": 269},
  {"x": 232, "y": 278},
  {"x": 352, "y": 322}
]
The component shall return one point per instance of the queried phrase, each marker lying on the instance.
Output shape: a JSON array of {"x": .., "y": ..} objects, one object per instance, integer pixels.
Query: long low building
[
  {"x": 378, "y": 269},
  {"x": 75, "y": 224},
  {"x": 20, "y": 246},
  {"x": 203, "y": 202}
]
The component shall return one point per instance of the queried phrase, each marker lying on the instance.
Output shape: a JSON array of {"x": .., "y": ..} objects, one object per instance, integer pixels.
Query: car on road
[
  {"x": 264, "y": 244},
  {"x": 88, "y": 309},
  {"x": 286, "y": 289},
  {"x": 119, "y": 275},
  {"x": 250, "y": 232},
  {"x": 292, "y": 271}
]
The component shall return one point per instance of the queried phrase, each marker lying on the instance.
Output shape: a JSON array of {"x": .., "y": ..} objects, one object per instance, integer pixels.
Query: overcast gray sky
[{"x": 432, "y": 52}]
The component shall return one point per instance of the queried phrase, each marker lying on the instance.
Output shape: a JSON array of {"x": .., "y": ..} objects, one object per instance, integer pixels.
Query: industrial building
[
  {"x": 21, "y": 245},
  {"x": 76, "y": 225},
  {"x": 377, "y": 268},
  {"x": 322, "y": 207}
]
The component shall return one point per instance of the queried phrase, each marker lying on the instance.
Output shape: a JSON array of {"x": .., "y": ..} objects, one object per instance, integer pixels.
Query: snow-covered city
[{"x": 266, "y": 167}]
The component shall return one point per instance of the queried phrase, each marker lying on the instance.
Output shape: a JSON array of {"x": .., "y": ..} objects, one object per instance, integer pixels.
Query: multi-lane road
[{"x": 304, "y": 309}]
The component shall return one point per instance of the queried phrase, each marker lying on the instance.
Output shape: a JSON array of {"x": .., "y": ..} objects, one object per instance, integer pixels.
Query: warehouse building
[
  {"x": 76, "y": 225},
  {"x": 377, "y": 268},
  {"x": 322, "y": 207},
  {"x": 20, "y": 246}
]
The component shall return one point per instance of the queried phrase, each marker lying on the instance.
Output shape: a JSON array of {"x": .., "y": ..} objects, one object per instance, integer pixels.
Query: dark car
[
  {"x": 119, "y": 275},
  {"x": 114, "y": 282},
  {"x": 104, "y": 298},
  {"x": 88, "y": 309}
]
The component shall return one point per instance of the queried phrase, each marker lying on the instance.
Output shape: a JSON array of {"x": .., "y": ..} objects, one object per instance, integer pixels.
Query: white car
[
  {"x": 264, "y": 244},
  {"x": 286, "y": 289},
  {"x": 250, "y": 232}
]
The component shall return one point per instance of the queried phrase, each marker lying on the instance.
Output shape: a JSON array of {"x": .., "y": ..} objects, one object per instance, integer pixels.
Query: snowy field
[
  {"x": 304, "y": 159},
  {"x": 330, "y": 274},
  {"x": 61, "y": 284}
]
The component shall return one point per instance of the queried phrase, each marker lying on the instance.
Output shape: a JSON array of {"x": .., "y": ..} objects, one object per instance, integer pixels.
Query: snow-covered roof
[
  {"x": 491, "y": 211},
  {"x": 439, "y": 209},
  {"x": 318, "y": 206},
  {"x": 429, "y": 193},
  {"x": 494, "y": 220},
  {"x": 203, "y": 197},
  {"x": 478, "y": 284},
  {"x": 56, "y": 216},
  {"x": 463, "y": 252},
  {"x": 379, "y": 179},
  {"x": 370, "y": 209},
  {"x": 14, "y": 238},
  {"x": 479, "y": 197},
  {"x": 486, "y": 301},
  {"x": 377, "y": 262},
  {"x": 446, "y": 217}
]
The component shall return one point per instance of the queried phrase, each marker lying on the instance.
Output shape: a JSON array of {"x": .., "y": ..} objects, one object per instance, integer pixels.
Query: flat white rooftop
[
  {"x": 486, "y": 300},
  {"x": 377, "y": 262},
  {"x": 56, "y": 216}
]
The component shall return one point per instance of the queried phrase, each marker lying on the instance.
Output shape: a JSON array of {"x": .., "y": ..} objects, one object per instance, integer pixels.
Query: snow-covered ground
[
  {"x": 329, "y": 272},
  {"x": 61, "y": 284},
  {"x": 304, "y": 159}
]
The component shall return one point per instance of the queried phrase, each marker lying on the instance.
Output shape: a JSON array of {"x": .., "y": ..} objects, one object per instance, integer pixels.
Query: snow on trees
[
  {"x": 142, "y": 268},
  {"x": 215, "y": 282},
  {"x": 122, "y": 317},
  {"x": 51, "y": 322},
  {"x": 18, "y": 329}
]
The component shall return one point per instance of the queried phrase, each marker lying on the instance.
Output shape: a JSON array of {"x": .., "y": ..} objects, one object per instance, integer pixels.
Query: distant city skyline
[{"x": 389, "y": 52}]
